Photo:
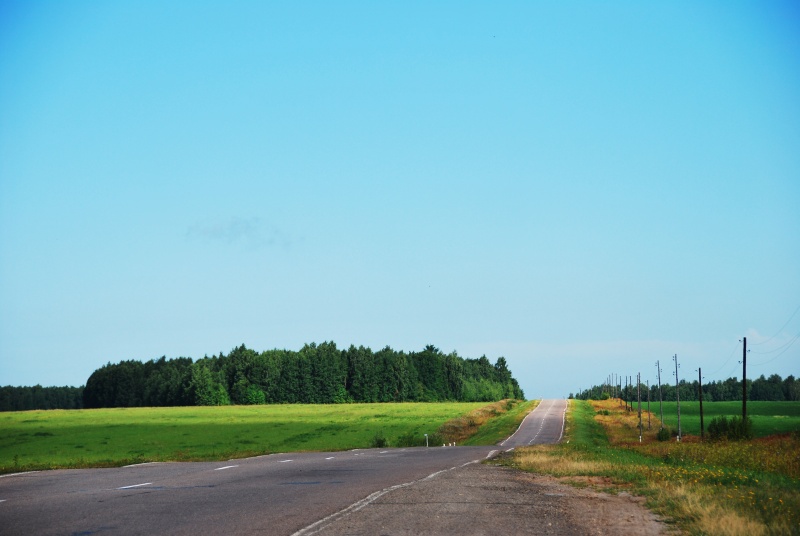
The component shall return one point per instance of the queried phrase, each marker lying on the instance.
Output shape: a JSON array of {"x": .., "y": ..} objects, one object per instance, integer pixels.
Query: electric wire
[
  {"x": 727, "y": 360},
  {"x": 787, "y": 345},
  {"x": 779, "y": 331}
]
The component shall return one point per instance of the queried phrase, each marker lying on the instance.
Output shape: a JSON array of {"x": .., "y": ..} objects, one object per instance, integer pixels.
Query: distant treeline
[
  {"x": 316, "y": 374},
  {"x": 38, "y": 397},
  {"x": 773, "y": 389}
]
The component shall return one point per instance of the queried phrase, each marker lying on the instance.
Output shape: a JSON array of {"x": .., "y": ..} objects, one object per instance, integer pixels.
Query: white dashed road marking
[
  {"x": 136, "y": 485},
  {"x": 226, "y": 467}
]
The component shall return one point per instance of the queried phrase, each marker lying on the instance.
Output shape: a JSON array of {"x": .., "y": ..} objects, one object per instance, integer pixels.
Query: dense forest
[
  {"x": 38, "y": 397},
  {"x": 773, "y": 388},
  {"x": 316, "y": 374}
]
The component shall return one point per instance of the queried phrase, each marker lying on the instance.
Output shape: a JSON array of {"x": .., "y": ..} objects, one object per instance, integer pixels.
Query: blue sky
[{"x": 581, "y": 187}]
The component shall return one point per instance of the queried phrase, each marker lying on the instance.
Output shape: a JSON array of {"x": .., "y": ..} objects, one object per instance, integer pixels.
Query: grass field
[
  {"x": 768, "y": 417},
  {"x": 113, "y": 437},
  {"x": 728, "y": 488}
]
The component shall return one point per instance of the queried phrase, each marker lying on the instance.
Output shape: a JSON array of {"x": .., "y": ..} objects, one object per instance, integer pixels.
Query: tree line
[
  {"x": 38, "y": 397},
  {"x": 316, "y": 374},
  {"x": 772, "y": 388}
]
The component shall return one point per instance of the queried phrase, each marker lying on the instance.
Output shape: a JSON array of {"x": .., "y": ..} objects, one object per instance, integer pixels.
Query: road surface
[
  {"x": 545, "y": 424},
  {"x": 275, "y": 494}
]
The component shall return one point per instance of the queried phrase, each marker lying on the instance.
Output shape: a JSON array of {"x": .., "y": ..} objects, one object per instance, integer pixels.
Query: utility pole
[
  {"x": 625, "y": 396},
  {"x": 677, "y": 395},
  {"x": 700, "y": 389},
  {"x": 639, "y": 402},
  {"x": 744, "y": 381},
  {"x": 660, "y": 399},
  {"x": 648, "y": 405},
  {"x": 631, "y": 378}
]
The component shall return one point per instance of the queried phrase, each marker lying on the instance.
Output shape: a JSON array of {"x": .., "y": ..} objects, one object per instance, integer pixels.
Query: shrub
[
  {"x": 413, "y": 439},
  {"x": 379, "y": 441},
  {"x": 733, "y": 429},
  {"x": 663, "y": 434}
]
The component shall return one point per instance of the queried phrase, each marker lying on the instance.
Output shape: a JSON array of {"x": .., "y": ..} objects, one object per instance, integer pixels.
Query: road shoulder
[{"x": 486, "y": 499}]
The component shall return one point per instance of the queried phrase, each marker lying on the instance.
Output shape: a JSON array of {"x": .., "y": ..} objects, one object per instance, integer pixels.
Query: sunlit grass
[{"x": 112, "y": 437}]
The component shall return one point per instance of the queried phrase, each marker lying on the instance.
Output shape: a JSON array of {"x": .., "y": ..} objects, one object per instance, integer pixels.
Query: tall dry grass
[
  {"x": 462, "y": 428},
  {"x": 736, "y": 489}
]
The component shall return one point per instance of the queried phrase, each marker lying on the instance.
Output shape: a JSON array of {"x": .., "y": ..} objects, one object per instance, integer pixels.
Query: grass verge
[{"x": 744, "y": 488}]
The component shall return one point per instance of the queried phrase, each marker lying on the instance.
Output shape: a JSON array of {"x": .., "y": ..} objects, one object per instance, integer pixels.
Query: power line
[
  {"x": 788, "y": 345},
  {"x": 779, "y": 331},
  {"x": 791, "y": 341},
  {"x": 727, "y": 360}
]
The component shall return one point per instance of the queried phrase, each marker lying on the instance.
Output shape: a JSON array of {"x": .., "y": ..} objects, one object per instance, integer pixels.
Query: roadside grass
[
  {"x": 499, "y": 423},
  {"x": 725, "y": 488},
  {"x": 33, "y": 440}
]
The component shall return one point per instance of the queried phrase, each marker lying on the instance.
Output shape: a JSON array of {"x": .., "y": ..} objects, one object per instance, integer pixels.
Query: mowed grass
[
  {"x": 112, "y": 437},
  {"x": 718, "y": 488},
  {"x": 768, "y": 417}
]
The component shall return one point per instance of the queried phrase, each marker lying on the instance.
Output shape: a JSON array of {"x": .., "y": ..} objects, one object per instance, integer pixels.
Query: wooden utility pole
[
  {"x": 744, "y": 381},
  {"x": 660, "y": 398},
  {"x": 639, "y": 402},
  {"x": 700, "y": 389},
  {"x": 677, "y": 395},
  {"x": 631, "y": 378},
  {"x": 648, "y": 404},
  {"x": 625, "y": 396}
]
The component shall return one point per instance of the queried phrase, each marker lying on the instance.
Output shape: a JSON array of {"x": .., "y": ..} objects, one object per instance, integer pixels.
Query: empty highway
[{"x": 274, "y": 494}]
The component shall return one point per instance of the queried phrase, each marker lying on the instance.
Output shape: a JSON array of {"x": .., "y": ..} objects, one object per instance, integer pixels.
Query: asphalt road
[
  {"x": 275, "y": 494},
  {"x": 545, "y": 424}
]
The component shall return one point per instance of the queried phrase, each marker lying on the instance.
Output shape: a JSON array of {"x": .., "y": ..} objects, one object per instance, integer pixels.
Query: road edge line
[
  {"x": 531, "y": 412},
  {"x": 358, "y": 505}
]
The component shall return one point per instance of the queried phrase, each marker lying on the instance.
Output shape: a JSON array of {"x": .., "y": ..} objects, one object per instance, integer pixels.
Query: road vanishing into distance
[{"x": 294, "y": 493}]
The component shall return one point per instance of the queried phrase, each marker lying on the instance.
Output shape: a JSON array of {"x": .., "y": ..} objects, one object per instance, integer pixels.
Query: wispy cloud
[{"x": 249, "y": 232}]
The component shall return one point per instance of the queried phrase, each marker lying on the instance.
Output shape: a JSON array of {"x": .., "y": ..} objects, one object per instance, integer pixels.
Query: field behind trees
[{"x": 768, "y": 418}]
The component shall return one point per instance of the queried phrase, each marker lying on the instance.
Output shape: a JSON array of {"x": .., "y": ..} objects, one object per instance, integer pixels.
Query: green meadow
[
  {"x": 768, "y": 417},
  {"x": 118, "y": 436}
]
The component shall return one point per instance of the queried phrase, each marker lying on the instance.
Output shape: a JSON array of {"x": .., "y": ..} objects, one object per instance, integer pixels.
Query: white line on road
[
  {"x": 136, "y": 485},
  {"x": 226, "y": 467},
  {"x": 284, "y": 461},
  {"x": 356, "y": 506},
  {"x": 523, "y": 422},
  {"x": 491, "y": 454},
  {"x": 18, "y": 474},
  {"x": 330, "y": 458},
  {"x": 138, "y": 464}
]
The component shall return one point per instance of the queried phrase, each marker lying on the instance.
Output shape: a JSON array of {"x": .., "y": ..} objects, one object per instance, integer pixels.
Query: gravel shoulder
[{"x": 480, "y": 499}]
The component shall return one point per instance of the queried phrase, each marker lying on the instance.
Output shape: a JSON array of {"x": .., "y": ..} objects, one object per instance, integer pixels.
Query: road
[
  {"x": 274, "y": 494},
  {"x": 545, "y": 424}
]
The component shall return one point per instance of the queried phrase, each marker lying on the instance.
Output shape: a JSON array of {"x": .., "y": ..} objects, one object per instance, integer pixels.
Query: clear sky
[{"x": 581, "y": 187}]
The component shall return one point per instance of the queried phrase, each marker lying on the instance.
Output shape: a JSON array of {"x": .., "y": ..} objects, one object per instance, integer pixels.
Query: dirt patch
[{"x": 481, "y": 499}]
